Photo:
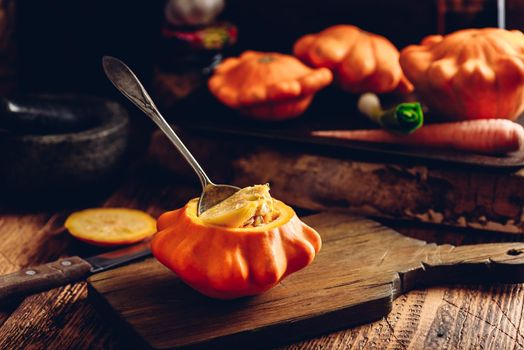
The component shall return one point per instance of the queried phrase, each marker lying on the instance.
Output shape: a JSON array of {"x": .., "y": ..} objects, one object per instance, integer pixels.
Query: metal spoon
[{"x": 128, "y": 84}]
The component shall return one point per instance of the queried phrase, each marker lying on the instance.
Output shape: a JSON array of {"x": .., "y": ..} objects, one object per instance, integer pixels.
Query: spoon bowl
[{"x": 214, "y": 194}]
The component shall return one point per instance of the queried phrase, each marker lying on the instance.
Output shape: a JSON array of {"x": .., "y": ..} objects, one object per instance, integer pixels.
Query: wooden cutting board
[{"x": 361, "y": 268}]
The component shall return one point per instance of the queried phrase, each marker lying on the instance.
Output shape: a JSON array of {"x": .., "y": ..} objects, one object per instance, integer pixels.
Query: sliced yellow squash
[
  {"x": 110, "y": 226},
  {"x": 244, "y": 208}
]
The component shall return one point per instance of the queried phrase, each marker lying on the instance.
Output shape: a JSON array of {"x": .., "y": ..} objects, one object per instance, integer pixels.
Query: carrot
[{"x": 489, "y": 136}]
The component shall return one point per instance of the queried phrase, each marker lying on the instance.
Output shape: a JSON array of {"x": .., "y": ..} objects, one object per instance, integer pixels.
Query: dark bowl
[{"x": 76, "y": 162}]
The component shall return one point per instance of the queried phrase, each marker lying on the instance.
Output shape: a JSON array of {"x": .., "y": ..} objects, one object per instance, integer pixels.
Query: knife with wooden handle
[{"x": 72, "y": 269}]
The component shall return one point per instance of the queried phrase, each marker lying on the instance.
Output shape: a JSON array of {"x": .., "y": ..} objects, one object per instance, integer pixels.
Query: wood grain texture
[
  {"x": 63, "y": 318},
  {"x": 487, "y": 317},
  {"x": 43, "y": 277},
  {"x": 461, "y": 197},
  {"x": 361, "y": 268},
  {"x": 474, "y": 317}
]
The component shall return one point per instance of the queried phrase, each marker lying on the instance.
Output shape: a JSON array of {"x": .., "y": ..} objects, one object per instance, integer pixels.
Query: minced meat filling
[{"x": 263, "y": 215}]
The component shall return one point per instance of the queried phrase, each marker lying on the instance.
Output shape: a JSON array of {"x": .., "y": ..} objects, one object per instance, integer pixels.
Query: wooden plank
[
  {"x": 361, "y": 268},
  {"x": 63, "y": 318},
  {"x": 462, "y": 317},
  {"x": 58, "y": 319},
  {"x": 27, "y": 239},
  {"x": 461, "y": 197}
]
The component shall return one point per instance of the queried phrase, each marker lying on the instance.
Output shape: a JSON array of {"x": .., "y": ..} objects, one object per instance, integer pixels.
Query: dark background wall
[{"x": 60, "y": 42}]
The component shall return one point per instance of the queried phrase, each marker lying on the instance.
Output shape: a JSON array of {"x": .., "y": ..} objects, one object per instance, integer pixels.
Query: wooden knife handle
[
  {"x": 477, "y": 263},
  {"x": 43, "y": 277}
]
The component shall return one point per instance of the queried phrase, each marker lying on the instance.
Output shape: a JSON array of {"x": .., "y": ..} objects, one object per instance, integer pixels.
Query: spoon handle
[{"x": 128, "y": 84}]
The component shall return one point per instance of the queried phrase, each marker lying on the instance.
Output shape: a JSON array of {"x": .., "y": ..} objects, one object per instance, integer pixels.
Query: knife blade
[
  {"x": 118, "y": 257},
  {"x": 72, "y": 269}
]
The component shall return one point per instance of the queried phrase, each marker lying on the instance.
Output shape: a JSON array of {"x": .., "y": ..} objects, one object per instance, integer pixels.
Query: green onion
[{"x": 405, "y": 118}]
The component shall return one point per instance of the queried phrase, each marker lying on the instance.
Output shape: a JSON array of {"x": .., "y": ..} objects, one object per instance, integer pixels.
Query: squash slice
[{"x": 110, "y": 226}]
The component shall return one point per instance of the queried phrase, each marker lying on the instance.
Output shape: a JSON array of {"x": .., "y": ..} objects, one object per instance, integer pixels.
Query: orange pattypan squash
[
  {"x": 469, "y": 74},
  {"x": 267, "y": 86},
  {"x": 361, "y": 61},
  {"x": 243, "y": 247}
]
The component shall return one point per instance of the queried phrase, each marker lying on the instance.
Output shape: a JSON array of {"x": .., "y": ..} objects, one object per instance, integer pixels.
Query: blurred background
[{"x": 55, "y": 47}]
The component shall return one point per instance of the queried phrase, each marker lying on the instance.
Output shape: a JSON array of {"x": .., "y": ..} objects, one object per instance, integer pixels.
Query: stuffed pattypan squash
[
  {"x": 469, "y": 74},
  {"x": 242, "y": 246},
  {"x": 267, "y": 86},
  {"x": 361, "y": 61}
]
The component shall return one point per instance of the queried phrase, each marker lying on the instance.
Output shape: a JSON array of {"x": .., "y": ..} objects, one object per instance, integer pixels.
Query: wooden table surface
[{"x": 449, "y": 317}]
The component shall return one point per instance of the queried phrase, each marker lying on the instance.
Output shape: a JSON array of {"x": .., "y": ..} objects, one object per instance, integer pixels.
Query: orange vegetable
[
  {"x": 110, "y": 226},
  {"x": 361, "y": 61},
  {"x": 230, "y": 262},
  {"x": 267, "y": 86},
  {"x": 490, "y": 136},
  {"x": 469, "y": 74}
]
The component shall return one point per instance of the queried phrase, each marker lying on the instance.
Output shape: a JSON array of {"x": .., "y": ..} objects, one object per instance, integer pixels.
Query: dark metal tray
[{"x": 331, "y": 109}]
